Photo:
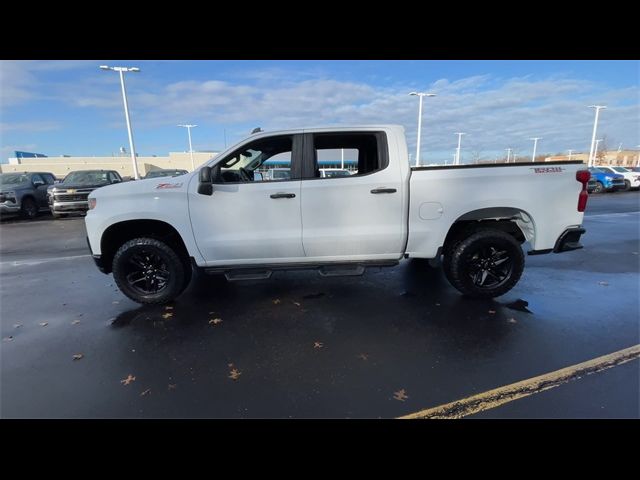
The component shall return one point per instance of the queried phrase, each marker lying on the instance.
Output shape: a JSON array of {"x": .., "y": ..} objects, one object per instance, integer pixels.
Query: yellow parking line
[{"x": 496, "y": 397}]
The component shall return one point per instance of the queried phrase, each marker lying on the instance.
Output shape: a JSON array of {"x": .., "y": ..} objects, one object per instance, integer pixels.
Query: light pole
[
  {"x": 570, "y": 152},
  {"x": 535, "y": 146},
  {"x": 638, "y": 162},
  {"x": 421, "y": 95},
  {"x": 595, "y": 151},
  {"x": 595, "y": 127},
  {"x": 342, "y": 158},
  {"x": 189, "y": 127},
  {"x": 121, "y": 71},
  {"x": 508, "y": 154},
  {"x": 458, "y": 149}
]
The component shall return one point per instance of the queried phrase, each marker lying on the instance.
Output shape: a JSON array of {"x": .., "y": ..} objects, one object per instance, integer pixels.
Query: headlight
[
  {"x": 92, "y": 203},
  {"x": 608, "y": 178},
  {"x": 8, "y": 196}
]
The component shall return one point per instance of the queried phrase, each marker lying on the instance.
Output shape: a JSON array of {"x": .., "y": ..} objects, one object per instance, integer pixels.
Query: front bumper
[
  {"x": 9, "y": 208},
  {"x": 65, "y": 207},
  {"x": 97, "y": 259}
]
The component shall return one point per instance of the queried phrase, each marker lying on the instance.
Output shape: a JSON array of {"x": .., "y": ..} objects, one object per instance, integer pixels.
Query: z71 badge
[
  {"x": 169, "y": 185},
  {"x": 547, "y": 169}
]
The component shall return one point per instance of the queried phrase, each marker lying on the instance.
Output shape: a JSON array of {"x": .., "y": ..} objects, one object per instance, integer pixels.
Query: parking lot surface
[{"x": 386, "y": 344}]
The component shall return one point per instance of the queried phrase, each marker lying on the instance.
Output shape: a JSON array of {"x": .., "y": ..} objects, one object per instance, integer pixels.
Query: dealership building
[{"x": 61, "y": 166}]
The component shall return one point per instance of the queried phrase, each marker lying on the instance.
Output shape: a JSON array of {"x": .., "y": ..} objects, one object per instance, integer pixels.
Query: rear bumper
[{"x": 569, "y": 240}]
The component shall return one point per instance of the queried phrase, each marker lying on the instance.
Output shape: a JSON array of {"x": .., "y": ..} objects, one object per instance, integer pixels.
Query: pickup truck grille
[{"x": 72, "y": 198}]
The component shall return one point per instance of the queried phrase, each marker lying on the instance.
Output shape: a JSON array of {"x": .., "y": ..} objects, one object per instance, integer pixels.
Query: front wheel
[
  {"x": 29, "y": 208},
  {"x": 599, "y": 187},
  {"x": 149, "y": 271},
  {"x": 486, "y": 264}
]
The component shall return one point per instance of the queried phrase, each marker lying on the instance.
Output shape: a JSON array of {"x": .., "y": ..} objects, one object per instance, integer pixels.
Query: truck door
[
  {"x": 252, "y": 217},
  {"x": 39, "y": 189},
  {"x": 355, "y": 217}
]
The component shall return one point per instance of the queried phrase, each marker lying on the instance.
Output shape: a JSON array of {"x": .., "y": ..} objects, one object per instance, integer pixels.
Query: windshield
[
  {"x": 13, "y": 178},
  {"x": 87, "y": 177},
  {"x": 620, "y": 169}
]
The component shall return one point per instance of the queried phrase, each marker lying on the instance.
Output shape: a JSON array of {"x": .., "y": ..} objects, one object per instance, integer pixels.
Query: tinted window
[
  {"x": 36, "y": 178},
  {"x": 50, "y": 179},
  {"x": 259, "y": 157},
  {"x": 366, "y": 152}
]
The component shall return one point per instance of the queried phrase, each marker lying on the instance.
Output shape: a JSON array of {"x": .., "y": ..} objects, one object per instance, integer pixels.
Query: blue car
[{"x": 606, "y": 181}]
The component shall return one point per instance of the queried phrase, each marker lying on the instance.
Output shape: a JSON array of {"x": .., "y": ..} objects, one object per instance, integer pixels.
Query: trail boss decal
[
  {"x": 169, "y": 185},
  {"x": 547, "y": 169}
]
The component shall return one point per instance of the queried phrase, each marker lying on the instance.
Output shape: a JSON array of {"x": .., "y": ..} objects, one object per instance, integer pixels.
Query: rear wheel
[
  {"x": 627, "y": 186},
  {"x": 29, "y": 208},
  {"x": 149, "y": 271},
  {"x": 486, "y": 264}
]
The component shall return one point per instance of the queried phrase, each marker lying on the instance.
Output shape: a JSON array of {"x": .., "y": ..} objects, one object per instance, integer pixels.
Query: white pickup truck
[{"x": 222, "y": 219}]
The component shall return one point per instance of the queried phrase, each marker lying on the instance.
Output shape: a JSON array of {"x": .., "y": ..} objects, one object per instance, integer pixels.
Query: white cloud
[{"x": 28, "y": 126}]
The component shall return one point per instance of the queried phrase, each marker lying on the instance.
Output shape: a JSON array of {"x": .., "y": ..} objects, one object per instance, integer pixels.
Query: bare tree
[
  {"x": 476, "y": 154},
  {"x": 603, "y": 148}
]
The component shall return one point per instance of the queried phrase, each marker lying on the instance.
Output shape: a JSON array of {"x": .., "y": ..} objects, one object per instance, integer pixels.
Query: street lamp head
[
  {"x": 104, "y": 67},
  {"x": 413, "y": 93},
  {"x": 134, "y": 69},
  {"x": 429, "y": 94},
  {"x": 420, "y": 94},
  {"x": 597, "y": 106}
]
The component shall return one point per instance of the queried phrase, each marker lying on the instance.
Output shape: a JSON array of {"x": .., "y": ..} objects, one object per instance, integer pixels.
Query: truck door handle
[
  {"x": 282, "y": 195},
  {"x": 383, "y": 190}
]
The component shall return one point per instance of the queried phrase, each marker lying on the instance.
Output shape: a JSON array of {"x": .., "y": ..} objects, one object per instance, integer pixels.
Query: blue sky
[{"x": 73, "y": 108}]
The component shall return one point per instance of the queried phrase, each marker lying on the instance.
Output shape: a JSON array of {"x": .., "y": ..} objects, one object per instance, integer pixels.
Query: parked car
[
  {"x": 631, "y": 179},
  {"x": 334, "y": 172},
  {"x": 634, "y": 169},
  {"x": 606, "y": 181},
  {"x": 24, "y": 193},
  {"x": 70, "y": 196},
  {"x": 152, "y": 234},
  {"x": 278, "y": 174},
  {"x": 165, "y": 172}
]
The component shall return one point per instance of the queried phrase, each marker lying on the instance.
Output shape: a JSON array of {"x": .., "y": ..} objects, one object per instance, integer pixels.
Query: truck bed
[{"x": 537, "y": 194}]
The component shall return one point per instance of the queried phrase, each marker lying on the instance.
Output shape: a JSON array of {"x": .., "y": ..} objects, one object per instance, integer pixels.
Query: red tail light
[{"x": 583, "y": 177}]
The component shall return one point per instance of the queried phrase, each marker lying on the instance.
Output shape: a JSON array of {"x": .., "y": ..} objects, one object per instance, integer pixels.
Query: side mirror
[
  {"x": 206, "y": 178},
  {"x": 38, "y": 183}
]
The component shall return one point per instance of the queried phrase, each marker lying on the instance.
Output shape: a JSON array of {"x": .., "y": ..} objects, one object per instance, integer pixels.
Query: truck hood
[
  {"x": 174, "y": 184},
  {"x": 15, "y": 186},
  {"x": 77, "y": 186}
]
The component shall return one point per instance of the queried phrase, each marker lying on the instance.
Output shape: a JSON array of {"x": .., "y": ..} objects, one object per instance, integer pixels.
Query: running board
[
  {"x": 341, "y": 270},
  {"x": 264, "y": 272},
  {"x": 238, "y": 275}
]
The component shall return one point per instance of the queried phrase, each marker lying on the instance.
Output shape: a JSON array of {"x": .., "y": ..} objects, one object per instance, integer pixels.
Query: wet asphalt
[{"x": 303, "y": 346}]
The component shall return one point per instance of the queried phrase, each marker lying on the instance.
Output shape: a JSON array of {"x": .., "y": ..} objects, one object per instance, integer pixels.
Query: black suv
[
  {"x": 24, "y": 193},
  {"x": 71, "y": 196}
]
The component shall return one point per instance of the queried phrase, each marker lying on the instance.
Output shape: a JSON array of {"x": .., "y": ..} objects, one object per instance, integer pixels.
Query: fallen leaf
[
  {"x": 297, "y": 304},
  {"x": 211, "y": 313},
  {"x": 168, "y": 307},
  {"x": 75, "y": 322},
  {"x": 235, "y": 374},
  {"x": 215, "y": 321},
  {"x": 171, "y": 386},
  {"x": 167, "y": 315},
  {"x": 363, "y": 356},
  {"x": 492, "y": 312},
  {"x": 146, "y": 392},
  {"x": 276, "y": 301},
  {"x": 437, "y": 304},
  {"x": 17, "y": 325},
  {"x": 8, "y": 339},
  {"x": 400, "y": 395},
  {"x": 512, "y": 320},
  {"x": 520, "y": 305},
  {"x": 78, "y": 356},
  {"x": 130, "y": 378},
  {"x": 318, "y": 345},
  {"x": 43, "y": 324},
  {"x": 604, "y": 284},
  {"x": 313, "y": 295},
  {"x": 230, "y": 365}
]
